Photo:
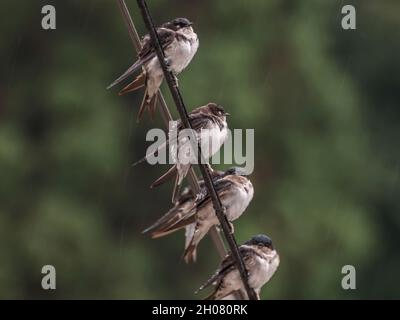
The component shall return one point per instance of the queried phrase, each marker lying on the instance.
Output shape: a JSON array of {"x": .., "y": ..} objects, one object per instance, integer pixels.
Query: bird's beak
[{"x": 227, "y": 114}]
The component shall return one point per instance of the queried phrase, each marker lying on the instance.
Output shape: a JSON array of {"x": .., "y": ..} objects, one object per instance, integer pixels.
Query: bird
[
  {"x": 180, "y": 44},
  {"x": 183, "y": 205},
  {"x": 211, "y": 130},
  {"x": 196, "y": 213},
  {"x": 261, "y": 261}
]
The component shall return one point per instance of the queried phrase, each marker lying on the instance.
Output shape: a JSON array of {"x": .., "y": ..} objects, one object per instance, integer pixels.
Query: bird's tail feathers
[
  {"x": 176, "y": 189},
  {"x": 136, "y": 84},
  {"x": 212, "y": 295},
  {"x": 182, "y": 172}
]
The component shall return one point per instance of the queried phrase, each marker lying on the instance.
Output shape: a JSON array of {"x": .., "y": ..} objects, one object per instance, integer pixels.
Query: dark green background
[{"x": 324, "y": 104}]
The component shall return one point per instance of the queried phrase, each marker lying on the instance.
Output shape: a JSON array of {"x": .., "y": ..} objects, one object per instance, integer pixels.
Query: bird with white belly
[{"x": 180, "y": 44}]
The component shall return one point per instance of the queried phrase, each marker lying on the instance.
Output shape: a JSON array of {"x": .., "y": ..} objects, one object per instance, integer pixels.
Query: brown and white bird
[
  {"x": 261, "y": 261},
  {"x": 180, "y": 44},
  {"x": 197, "y": 215},
  {"x": 210, "y": 129}
]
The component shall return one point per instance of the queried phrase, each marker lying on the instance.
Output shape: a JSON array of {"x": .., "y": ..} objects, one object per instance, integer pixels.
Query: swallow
[
  {"x": 211, "y": 130},
  {"x": 180, "y": 44},
  {"x": 196, "y": 213},
  {"x": 261, "y": 261},
  {"x": 183, "y": 205}
]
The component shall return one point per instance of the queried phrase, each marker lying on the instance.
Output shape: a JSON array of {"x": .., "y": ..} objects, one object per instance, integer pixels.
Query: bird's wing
[
  {"x": 147, "y": 52},
  {"x": 180, "y": 219},
  {"x": 227, "y": 265}
]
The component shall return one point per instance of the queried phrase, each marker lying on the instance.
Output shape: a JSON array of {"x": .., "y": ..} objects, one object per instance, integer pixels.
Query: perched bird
[
  {"x": 261, "y": 261},
  {"x": 197, "y": 215},
  {"x": 180, "y": 44},
  {"x": 211, "y": 130},
  {"x": 183, "y": 206}
]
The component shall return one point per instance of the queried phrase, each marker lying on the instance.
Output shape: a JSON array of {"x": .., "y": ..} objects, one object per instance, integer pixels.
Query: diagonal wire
[{"x": 205, "y": 171}]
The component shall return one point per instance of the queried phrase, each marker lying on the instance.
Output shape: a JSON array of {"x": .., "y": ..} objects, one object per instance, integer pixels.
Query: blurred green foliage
[{"x": 324, "y": 105}]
